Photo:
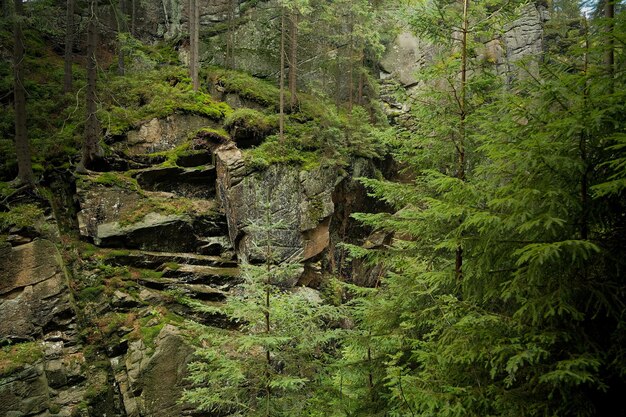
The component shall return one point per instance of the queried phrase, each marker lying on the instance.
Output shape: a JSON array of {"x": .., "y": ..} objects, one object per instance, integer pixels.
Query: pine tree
[
  {"x": 534, "y": 326},
  {"x": 275, "y": 360}
]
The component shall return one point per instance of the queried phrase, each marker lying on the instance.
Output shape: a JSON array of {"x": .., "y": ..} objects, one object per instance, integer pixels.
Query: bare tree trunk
[
  {"x": 121, "y": 29},
  {"x": 194, "y": 38},
  {"x": 69, "y": 45},
  {"x": 361, "y": 78},
  {"x": 609, "y": 58},
  {"x": 282, "y": 75},
  {"x": 460, "y": 145},
  {"x": 293, "y": 61},
  {"x": 133, "y": 17},
  {"x": 91, "y": 147},
  {"x": 22, "y": 149},
  {"x": 350, "y": 65},
  {"x": 230, "y": 36}
]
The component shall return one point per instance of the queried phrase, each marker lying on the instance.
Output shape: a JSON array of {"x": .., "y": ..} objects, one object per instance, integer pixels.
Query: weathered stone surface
[
  {"x": 186, "y": 182},
  {"x": 162, "y": 134},
  {"x": 298, "y": 202},
  {"x": 151, "y": 383},
  {"x": 404, "y": 58},
  {"x": 33, "y": 294},
  {"x": 25, "y": 393},
  {"x": 100, "y": 204}
]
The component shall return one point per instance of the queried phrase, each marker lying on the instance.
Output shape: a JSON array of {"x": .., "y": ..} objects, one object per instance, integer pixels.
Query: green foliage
[
  {"x": 276, "y": 360},
  {"x": 251, "y": 123},
  {"x": 533, "y": 324},
  {"x": 139, "y": 97}
]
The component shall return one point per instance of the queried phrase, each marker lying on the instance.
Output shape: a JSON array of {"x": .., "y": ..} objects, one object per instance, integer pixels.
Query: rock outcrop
[{"x": 296, "y": 203}]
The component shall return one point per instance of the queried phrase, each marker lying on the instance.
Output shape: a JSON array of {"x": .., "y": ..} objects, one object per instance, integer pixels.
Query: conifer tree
[
  {"x": 533, "y": 327},
  {"x": 275, "y": 360}
]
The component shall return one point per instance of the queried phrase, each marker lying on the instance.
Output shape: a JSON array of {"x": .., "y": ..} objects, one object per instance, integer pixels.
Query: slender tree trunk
[
  {"x": 268, "y": 327},
  {"x": 122, "y": 29},
  {"x": 6, "y": 9},
  {"x": 584, "y": 181},
  {"x": 194, "y": 38},
  {"x": 351, "y": 65},
  {"x": 91, "y": 147},
  {"x": 361, "y": 78},
  {"x": 282, "y": 76},
  {"x": 133, "y": 17},
  {"x": 230, "y": 36},
  {"x": 69, "y": 45},
  {"x": 293, "y": 61},
  {"x": 22, "y": 149},
  {"x": 609, "y": 58},
  {"x": 460, "y": 145}
]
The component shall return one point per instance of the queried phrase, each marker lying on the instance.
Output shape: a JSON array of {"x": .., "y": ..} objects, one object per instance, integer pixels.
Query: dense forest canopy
[{"x": 483, "y": 271}]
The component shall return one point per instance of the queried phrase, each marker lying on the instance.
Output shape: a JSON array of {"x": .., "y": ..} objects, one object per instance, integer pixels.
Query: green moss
[
  {"x": 245, "y": 85},
  {"x": 272, "y": 151},
  {"x": 111, "y": 179},
  {"x": 90, "y": 293},
  {"x": 140, "y": 97},
  {"x": 16, "y": 357},
  {"x": 244, "y": 124},
  {"x": 21, "y": 216},
  {"x": 174, "y": 266}
]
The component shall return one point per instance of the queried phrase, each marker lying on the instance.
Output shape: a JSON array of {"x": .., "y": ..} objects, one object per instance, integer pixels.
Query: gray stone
[
  {"x": 299, "y": 204},
  {"x": 33, "y": 291},
  {"x": 25, "y": 393},
  {"x": 159, "y": 135}
]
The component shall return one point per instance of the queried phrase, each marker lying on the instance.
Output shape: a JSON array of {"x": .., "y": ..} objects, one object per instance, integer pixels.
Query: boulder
[
  {"x": 297, "y": 204},
  {"x": 151, "y": 381},
  {"x": 25, "y": 393}
]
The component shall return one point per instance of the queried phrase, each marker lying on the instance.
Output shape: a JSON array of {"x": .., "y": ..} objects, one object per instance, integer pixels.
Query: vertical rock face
[
  {"x": 523, "y": 37},
  {"x": 298, "y": 203},
  {"x": 45, "y": 374},
  {"x": 34, "y": 298}
]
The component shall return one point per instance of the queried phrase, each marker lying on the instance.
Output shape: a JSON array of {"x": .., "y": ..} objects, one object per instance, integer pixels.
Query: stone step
[
  {"x": 215, "y": 276},
  {"x": 197, "y": 291},
  {"x": 156, "y": 260}
]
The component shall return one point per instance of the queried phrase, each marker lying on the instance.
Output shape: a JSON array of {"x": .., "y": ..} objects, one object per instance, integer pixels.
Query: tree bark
[
  {"x": 282, "y": 76},
  {"x": 194, "y": 38},
  {"x": 460, "y": 145},
  {"x": 91, "y": 147},
  {"x": 133, "y": 17},
  {"x": 609, "y": 57},
  {"x": 69, "y": 46},
  {"x": 22, "y": 149},
  {"x": 230, "y": 36},
  {"x": 293, "y": 61},
  {"x": 121, "y": 28}
]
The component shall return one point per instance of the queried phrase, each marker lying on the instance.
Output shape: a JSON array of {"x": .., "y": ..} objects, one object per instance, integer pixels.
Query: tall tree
[
  {"x": 122, "y": 29},
  {"x": 293, "y": 58},
  {"x": 194, "y": 40},
  {"x": 22, "y": 149},
  {"x": 69, "y": 46},
  {"x": 91, "y": 145},
  {"x": 282, "y": 76}
]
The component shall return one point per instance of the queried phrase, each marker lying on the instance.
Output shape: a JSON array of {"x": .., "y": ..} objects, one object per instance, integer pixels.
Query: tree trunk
[
  {"x": 293, "y": 61},
  {"x": 133, "y": 17},
  {"x": 69, "y": 45},
  {"x": 609, "y": 58},
  {"x": 460, "y": 145},
  {"x": 91, "y": 147},
  {"x": 282, "y": 75},
  {"x": 194, "y": 38},
  {"x": 121, "y": 29},
  {"x": 230, "y": 36},
  {"x": 22, "y": 149}
]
